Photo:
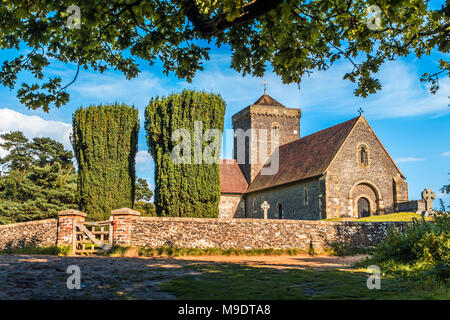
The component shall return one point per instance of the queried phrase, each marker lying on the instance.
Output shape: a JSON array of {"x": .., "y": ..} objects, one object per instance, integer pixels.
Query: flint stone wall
[
  {"x": 41, "y": 233},
  {"x": 255, "y": 233},
  {"x": 214, "y": 233}
]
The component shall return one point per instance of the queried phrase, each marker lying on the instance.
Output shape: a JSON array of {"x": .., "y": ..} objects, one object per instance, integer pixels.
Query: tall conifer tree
[
  {"x": 105, "y": 144},
  {"x": 185, "y": 189}
]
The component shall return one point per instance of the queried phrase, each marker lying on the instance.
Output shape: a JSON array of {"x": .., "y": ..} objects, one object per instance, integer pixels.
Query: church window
[
  {"x": 305, "y": 196},
  {"x": 363, "y": 156},
  {"x": 280, "y": 211},
  {"x": 276, "y": 128}
]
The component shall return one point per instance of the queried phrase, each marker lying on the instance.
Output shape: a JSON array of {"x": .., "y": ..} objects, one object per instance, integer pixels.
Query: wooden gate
[{"x": 92, "y": 237}]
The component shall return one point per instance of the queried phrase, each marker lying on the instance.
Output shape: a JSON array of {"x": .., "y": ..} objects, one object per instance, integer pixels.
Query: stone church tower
[{"x": 260, "y": 128}]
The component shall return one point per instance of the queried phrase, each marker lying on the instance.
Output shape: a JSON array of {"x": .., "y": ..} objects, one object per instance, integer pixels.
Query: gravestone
[
  {"x": 428, "y": 196},
  {"x": 265, "y": 206}
]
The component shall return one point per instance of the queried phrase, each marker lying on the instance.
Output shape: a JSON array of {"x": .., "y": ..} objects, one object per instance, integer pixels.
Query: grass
[
  {"x": 234, "y": 281},
  {"x": 130, "y": 252},
  {"x": 178, "y": 252},
  {"x": 338, "y": 249},
  {"x": 400, "y": 216},
  {"x": 53, "y": 250}
]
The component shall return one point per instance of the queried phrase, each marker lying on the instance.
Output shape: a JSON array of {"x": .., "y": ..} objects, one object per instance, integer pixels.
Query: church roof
[
  {"x": 266, "y": 100},
  {"x": 232, "y": 179},
  {"x": 306, "y": 157}
]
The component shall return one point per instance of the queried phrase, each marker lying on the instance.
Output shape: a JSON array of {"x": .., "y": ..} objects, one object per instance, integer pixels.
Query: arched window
[
  {"x": 276, "y": 128},
  {"x": 363, "y": 156}
]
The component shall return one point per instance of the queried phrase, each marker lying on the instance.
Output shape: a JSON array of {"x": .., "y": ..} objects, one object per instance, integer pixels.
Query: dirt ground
[{"x": 45, "y": 277}]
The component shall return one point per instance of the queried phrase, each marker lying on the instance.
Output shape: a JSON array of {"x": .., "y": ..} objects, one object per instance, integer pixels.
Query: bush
[
  {"x": 421, "y": 241},
  {"x": 423, "y": 248}
]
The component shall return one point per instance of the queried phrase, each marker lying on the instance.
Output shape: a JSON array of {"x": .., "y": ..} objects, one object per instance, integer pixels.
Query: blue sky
[{"x": 412, "y": 124}]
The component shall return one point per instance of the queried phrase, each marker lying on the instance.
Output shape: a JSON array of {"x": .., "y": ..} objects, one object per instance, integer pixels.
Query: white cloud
[
  {"x": 446, "y": 154},
  {"x": 408, "y": 159},
  {"x": 144, "y": 163},
  {"x": 34, "y": 126},
  {"x": 106, "y": 88},
  {"x": 143, "y": 157},
  {"x": 402, "y": 94}
]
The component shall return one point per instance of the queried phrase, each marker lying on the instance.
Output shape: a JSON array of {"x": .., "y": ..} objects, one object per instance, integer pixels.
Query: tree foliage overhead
[
  {"x": 39, "y": 183},
  {"x": 105, "y": 144},
  {"x": 185, "y": 189},
  {"x": 296, "y": 37}
]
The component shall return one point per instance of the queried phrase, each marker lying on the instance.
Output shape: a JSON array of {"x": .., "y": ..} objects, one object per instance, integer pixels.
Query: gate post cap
[
  {"x": 125, "y": 212},
  {"x": 72, "y": 212}
]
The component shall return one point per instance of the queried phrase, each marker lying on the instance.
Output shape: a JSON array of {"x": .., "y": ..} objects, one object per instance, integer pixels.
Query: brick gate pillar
[
  {"x": 66, "y": 220},
  {"x": 122, "y": 220}
]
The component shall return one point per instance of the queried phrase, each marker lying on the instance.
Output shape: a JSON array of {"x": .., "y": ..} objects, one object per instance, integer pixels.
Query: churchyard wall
[
  {"x": 256, "y": 233},
  {"x": 41, "y": 233},
  {"x": 132, "y": 230}
]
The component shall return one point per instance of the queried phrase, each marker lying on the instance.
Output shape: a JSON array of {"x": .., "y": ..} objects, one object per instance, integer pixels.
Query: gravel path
[{"x": 44, "y": 277}]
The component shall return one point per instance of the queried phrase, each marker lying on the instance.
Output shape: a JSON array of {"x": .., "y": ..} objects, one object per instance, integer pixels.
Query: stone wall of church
[
  {"x": 231, "y": 206},
  {"x": 347, "y": 179},
  {"x": 292, "y": 199}
]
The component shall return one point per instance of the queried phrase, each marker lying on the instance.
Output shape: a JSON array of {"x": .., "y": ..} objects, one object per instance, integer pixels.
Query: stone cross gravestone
[
  {"x": 265, "y": 206},
  {"x": 428, "y": 196}
]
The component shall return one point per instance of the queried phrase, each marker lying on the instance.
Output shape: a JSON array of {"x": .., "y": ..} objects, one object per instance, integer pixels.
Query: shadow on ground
[{"x": 219, "y": 277}]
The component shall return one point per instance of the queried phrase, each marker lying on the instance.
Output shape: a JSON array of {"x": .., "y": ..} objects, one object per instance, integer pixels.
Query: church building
[{"x": 341, "y": 171}]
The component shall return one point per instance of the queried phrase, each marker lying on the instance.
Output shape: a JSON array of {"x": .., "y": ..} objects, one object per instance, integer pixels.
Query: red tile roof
[
  {"x": 232, "y": 179},
  {"x": 306, "y": 157},
  {"x": 266, "y": 100}
]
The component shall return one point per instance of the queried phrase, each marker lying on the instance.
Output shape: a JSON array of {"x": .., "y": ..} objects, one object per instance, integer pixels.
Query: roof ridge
[
  {"x": 320, "y": 131},
  {"x": 313, "y": 154}
]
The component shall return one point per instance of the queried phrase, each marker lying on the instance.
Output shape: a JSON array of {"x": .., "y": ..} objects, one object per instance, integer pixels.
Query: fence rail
[{"x": 91, "y": 237}]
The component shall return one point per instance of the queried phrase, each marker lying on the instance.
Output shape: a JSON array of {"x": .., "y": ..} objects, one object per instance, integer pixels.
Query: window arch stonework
[
  {"x": 276, "y": 128},
  {"x": 363, "y": 155}
]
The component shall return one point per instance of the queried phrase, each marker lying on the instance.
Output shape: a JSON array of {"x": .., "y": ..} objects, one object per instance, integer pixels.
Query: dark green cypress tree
[
  {"x": 184, "y": 190},
  {"x": 105, "y": 144}
]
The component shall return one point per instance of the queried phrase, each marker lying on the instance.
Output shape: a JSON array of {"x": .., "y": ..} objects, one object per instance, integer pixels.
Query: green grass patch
[
  {"x": 234, "y": 281},
  {"x": 53, "y": 250},
  {"x": 339, "y": 249},
  {"x": 399, "y": 216}
]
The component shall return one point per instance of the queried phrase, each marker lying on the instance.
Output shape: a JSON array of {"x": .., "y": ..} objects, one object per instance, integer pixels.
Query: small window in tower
[
  {"x": 305, "y": 196},
  {"x": 276, "y": 128}
]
